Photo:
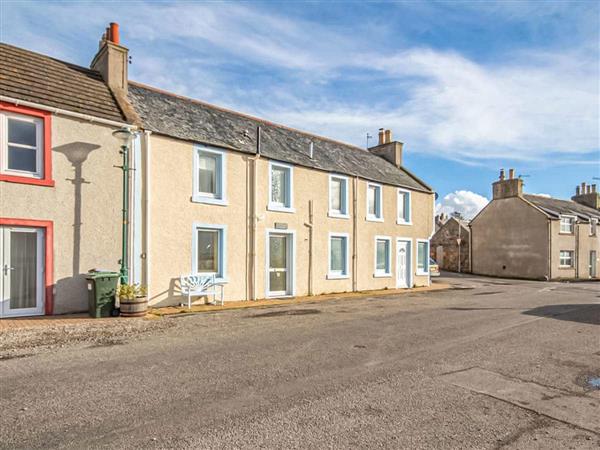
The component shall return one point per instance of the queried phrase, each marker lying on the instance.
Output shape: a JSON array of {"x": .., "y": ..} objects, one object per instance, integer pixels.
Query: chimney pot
[
  {"x": 511, "y": 174},
  {"x": 577, "y": 190},
  {"x": 381, "y": 136},
  {"x": 593, "y": 188},
  {"x": 501, "y": 178},
  {"x": 114, "y": 32},
  {"x": 388, "y": 136}
]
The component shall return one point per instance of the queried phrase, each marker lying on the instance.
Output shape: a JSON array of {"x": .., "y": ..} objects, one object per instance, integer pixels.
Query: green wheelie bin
[{"x": 102, "y": 287}]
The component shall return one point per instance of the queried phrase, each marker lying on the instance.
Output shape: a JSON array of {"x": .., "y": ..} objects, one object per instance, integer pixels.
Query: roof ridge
[{"x": 247, "y": 116}]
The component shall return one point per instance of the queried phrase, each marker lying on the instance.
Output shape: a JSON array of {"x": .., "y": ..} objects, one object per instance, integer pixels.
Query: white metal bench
[{"x": 201, "y": 286}]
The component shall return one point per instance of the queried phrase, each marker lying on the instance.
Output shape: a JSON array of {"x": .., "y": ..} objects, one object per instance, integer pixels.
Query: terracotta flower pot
[{"x": 136, "y": 307}]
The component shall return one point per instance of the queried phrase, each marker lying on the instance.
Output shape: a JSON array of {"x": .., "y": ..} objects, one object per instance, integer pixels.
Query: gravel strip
[{"x": 19, "y": 343}]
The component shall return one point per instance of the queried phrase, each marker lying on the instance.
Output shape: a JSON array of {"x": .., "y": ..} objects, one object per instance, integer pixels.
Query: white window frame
[
  {"x": 343, "y": 213},
  {"x": 424, "y": 271},
  {"x": 573, "y": 221},
  {"x": 404, "y": 220},
  {"x": 593, "y": 227},
  {"x": 571, "y": 257},
  {"x": 221, "y": 275},
  {"x": 289, "y": 205},
  {"x": 388, "y": 272},
  {"x": 378, "y": 217},
  {"x": 39, "y": 145},
  {"x": 344, "y": 274},
  {"x": 220, "y": 198}
]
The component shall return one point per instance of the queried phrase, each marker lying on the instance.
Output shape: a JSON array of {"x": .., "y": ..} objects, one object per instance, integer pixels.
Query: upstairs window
[
  {"x": 209, "y": 176},
  {"x": 567, "y": 224},
  {"x": 281, "y": 187},
  {"x": 404, "y": 213},
  {"x": 374, "y": 202},
  {"x": 338, "y": 196},
  {"x": 422, "y": 257},
  {"x": 593, "y": 227},
  {"x": 566, "y": 259},
  {"x": 22, "y": 145}
]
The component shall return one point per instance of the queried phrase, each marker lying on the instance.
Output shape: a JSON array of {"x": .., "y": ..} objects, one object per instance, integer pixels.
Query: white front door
[
  {"x": 403, "y": 263},
  {"x": 22, "y": 278},
  {"x": 279, "y": 265}
]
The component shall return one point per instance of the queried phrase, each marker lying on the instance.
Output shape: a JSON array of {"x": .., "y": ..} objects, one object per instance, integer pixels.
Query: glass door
[
  {"x": 21, "y": 280},
  {"x": 279, "y": 265}
]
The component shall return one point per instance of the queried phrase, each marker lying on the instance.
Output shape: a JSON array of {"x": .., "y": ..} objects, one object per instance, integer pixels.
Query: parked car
[{"x": 434, "y": 269}]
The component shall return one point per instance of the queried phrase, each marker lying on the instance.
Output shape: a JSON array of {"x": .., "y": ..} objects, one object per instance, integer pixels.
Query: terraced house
[{"x": 269, "y": 210}]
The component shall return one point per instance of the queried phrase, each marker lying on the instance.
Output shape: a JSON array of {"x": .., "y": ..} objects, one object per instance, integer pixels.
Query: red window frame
[
  {"x": 46, "y": 117},
  {"x": 48, "y": 227}
]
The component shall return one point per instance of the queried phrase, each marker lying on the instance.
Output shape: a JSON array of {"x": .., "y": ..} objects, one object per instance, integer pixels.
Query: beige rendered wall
[
  {"x": 510, "y": 239},
  {"x": 173, "y": 214},
  {"x": 96, "y": 241},
  {"x": 581, "y": 243}
]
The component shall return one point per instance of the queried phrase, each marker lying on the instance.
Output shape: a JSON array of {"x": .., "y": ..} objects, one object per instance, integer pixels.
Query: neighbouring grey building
[
  {"x": 449, "y": 246},
  {"x": 536, "y": 237}
]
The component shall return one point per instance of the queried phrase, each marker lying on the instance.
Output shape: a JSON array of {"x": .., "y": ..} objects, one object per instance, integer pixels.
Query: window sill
[
  {"x": 27, "y": 180},
  {"x": 566, "y": 268},
  {"x": 402, "y": 222},
  {"x": 209, "y": 200},
  {"x": 283, "y": 209},
  {"x": 374, "y": 219},
  {"x": 332, "y": 276},
  {"x": 567, "y": 233},
  {"x": 382, "y": 275},
  {"x": 335, "y": 215}
]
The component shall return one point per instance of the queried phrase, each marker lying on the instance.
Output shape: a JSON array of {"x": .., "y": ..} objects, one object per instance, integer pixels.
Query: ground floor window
[
  {"x": 566, "y": 258},
  {"x": 382, "y": 256},
  {"x": 422, "y": 257},
  {"x": 338, "y": 255},
  {"x": 208, "y": 249}
]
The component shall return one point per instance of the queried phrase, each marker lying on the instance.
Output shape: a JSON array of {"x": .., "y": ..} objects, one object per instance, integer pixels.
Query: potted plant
[{"x": 133, "y": 300}]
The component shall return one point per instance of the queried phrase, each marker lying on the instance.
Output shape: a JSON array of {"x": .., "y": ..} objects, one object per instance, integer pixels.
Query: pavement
[{"x": 490, "y": 363}]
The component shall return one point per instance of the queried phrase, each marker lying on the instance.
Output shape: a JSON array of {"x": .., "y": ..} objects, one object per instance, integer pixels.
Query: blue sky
[{"x": 469, "y": 87}]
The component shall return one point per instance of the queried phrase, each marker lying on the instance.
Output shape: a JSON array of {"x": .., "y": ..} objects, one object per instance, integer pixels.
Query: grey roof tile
[
  {"x": 192, "y": 120},
  {"x": 555, "y": 207}
]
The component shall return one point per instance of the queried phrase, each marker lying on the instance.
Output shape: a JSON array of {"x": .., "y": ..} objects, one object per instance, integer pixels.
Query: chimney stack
[
  {"x": 387, "y": 149},
  {"x": 587, "y": 195},
  {"x": 112, "y": 60},
  {"x": 506, "y": 188}
]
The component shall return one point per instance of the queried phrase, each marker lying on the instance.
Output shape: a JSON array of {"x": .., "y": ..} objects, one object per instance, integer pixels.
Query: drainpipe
[
  {"x": 576, "y": 249},
  {"x": 147, "y": 178},
  {"x": 309, "y": 225},
  {"x": 254, "y": 218},
  {"x": 354, "y": 235},
  {"x": 549, "y": 249}
]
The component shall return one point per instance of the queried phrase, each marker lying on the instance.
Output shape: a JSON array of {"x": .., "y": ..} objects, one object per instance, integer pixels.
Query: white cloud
[
  {"x": 467, "y": 203},
  {"x": 542, "y": 195},
  {"x": 527, "y": 105}
]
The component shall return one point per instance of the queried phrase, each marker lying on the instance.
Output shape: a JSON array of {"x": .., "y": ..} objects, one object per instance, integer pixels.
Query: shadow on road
[{"x": 584, "y": 313}]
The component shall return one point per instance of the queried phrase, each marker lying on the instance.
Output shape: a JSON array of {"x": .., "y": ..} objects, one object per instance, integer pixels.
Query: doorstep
[{"x": 266, "y": 303}]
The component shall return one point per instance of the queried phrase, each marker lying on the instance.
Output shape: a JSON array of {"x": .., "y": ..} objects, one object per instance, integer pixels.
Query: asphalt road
[{"x": 489, "y": 364}]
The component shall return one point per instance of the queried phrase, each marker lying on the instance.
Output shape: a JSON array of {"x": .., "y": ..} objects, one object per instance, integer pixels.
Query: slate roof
[
  {"x": 555, "y": 207},
  {"x": 183, "y": 118},
  {"x": 29, "y": 76}
]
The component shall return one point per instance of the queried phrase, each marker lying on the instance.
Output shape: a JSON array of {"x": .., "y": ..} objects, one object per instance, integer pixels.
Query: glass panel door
[
  {"x": 22, "y": 271},
  {"x": 278, "y": 264}
]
